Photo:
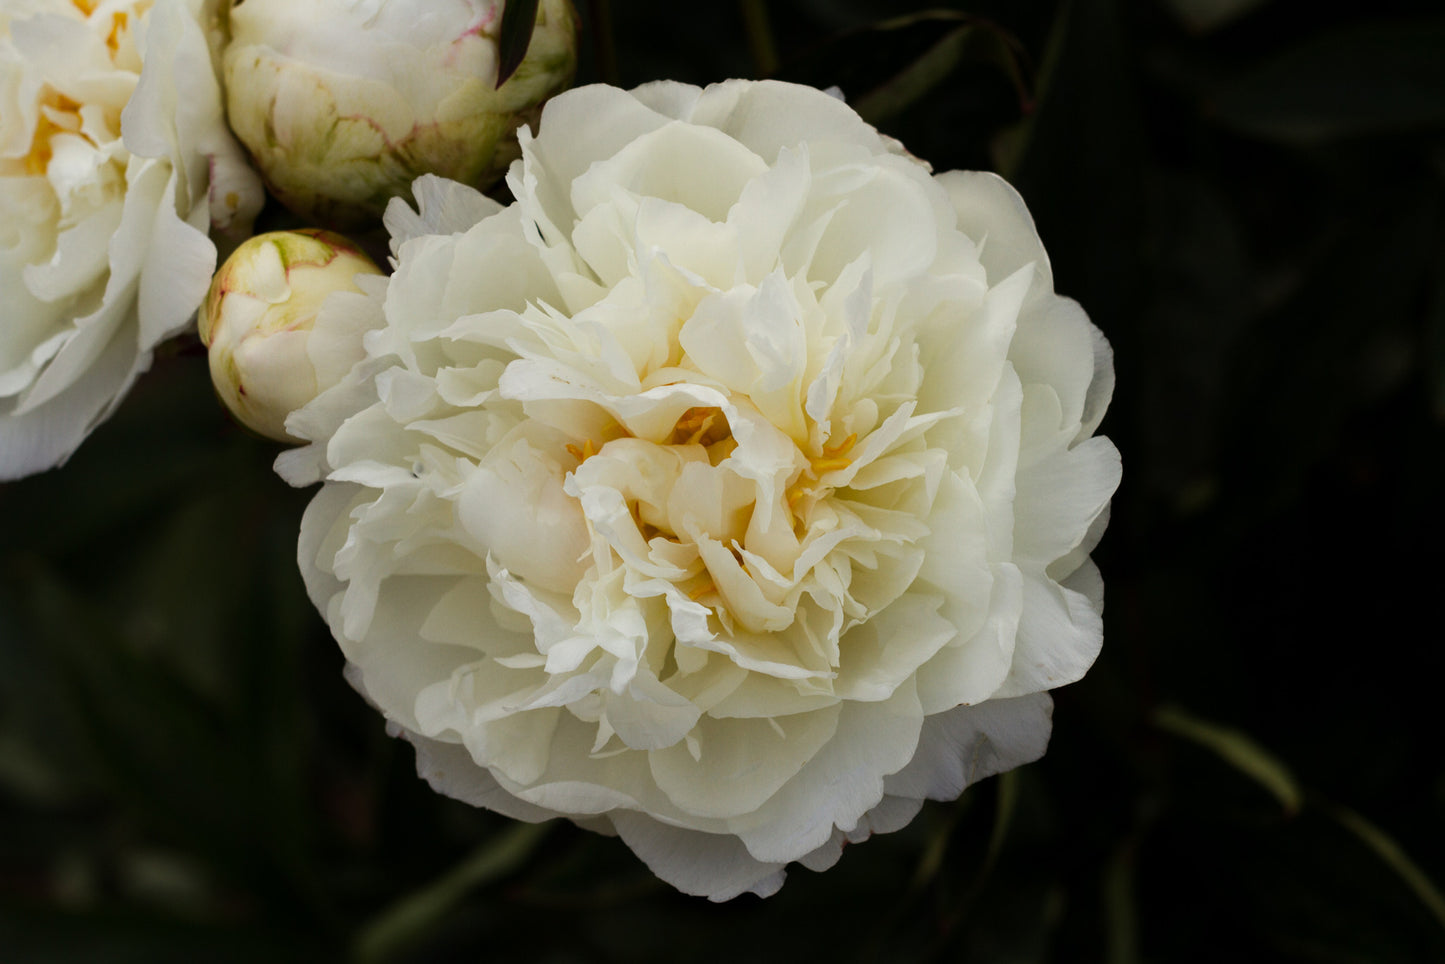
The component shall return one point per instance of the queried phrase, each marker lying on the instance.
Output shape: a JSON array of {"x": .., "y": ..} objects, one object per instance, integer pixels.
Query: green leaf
[
  {"x": 885, "y": 68},
  {"x": 604, "y": 42},
  {"x": 412, "y": 916},
  {"x": 1007, "y": 785},
  {"x": 1203, "y": 16},
  {"x": 1121, "y": 906},
  {"x": 519, "y": 17},
  {"x": 930, "y": 862},
  {"x": 761, "y": 45},
  {"x": 1011, "y": 144},
  {"x": 969, "y": 40},
  {"x": 1238, "y": 750},
  {"x": 1363, "y": 80},
  {"x": 1393, "y": 855}
]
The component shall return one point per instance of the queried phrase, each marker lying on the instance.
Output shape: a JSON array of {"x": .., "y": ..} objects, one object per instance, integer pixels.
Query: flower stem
[
  {"x": 604, "y": 45},
  {"x": 407, "y": 920},
  {"x": 760, "y": 37}
]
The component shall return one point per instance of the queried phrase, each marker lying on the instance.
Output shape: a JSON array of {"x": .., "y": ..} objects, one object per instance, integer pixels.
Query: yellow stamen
[
  {"x": 699, "y": 425},
  {"x": 584, "y": 453},
  {"x": 63, "y": 116},
  {"x": 37, "y": 162},
  {"x": 119, "y": 24},
  {"x": 835, "y": 456},
  {"x": 843, "y": 447}
]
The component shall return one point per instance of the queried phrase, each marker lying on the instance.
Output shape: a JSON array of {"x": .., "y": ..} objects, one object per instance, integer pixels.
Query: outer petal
[
  {"x": 1060, "y": 496},
  {"x": 969, "y": 743},
  {"x": 442, "y": 207},
  {"x": 590, "y": 122},
  {"x": 46, "y": 435},
  {"x": 991, "y": 212},
  {"x": 714, "y": 866},
  {"x": 451, "y": 771},
  {"x": 768, "y": 116},
  {"x": 179, "y": 262},
  {"x": 840, "y": 784},
  {"x": 1060, "y": 634}
]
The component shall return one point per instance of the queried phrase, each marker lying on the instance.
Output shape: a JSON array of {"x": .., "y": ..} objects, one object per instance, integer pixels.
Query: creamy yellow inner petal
[{"x": 61, "y": 114}]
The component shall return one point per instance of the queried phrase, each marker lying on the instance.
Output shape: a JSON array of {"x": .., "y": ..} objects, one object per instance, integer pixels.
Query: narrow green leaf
[
  {"x": 969, "y": 40},
  {"x": 1007, "y": 785},
  {"x": 917, "y": 79},
  {"x": 1010, "y": 145},
  {"x": 930, "y": 862},
  {"x": 1238, "y": 750},
  {"x": 413, "y": 916},
  {"x": 761, "y": 45},
  {"x": 519, "y": 17},
  {"x": 1390, "y": 852},
  {"x": 604, "y": 42},
  {"x": 1204, "y": 16},
  {"x": 1361, "y": 80},
  {"x": 1121, "y": 907}
]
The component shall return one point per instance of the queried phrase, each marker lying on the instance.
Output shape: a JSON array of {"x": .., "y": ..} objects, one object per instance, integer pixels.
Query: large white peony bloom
[
  {"x": 731, "y": 490},
  {"x": 115, "y": 162}
]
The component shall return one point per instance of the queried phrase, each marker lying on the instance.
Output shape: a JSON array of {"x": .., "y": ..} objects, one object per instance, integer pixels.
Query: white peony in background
[
  {"x": 732, "y": 490},
  {"x": 115, "y": 162},
  {"x": 343, "y": 103}
]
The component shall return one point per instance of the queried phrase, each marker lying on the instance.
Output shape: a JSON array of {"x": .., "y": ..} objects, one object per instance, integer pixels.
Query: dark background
[{"x": 1246, "y": 195}]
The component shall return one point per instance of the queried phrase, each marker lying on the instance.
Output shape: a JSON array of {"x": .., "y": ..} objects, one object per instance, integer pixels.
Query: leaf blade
[
  {"x": 514, "y": 36},
  {"x": 1237, "y": 749}
]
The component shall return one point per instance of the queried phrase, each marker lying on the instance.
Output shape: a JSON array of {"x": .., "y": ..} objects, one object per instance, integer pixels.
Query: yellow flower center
[
  {"x": 831, "y": 459},
  {"x": 700, "y": 425},
  {"x": 585, "y": 452},
  {"x": 119, "y": 20},
  {"x": 58, "y": 113}
]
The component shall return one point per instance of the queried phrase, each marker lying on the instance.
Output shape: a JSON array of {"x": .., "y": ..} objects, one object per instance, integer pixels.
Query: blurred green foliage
[{"x": 1246, "y": 195}]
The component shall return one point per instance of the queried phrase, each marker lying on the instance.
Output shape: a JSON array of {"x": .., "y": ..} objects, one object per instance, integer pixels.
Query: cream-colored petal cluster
[
  {"x": 732, "y": 490},
  {"x": 115, "y": 163}
]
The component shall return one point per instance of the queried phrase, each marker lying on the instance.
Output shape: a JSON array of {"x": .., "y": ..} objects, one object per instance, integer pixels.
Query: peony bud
[
  {"x": 258, "y": 318},
  {"x": 342, "y": 104}
]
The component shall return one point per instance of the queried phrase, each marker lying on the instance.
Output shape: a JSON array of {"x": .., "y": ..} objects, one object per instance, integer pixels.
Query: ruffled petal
[
  {"x": 714, "y": 866},
  {"x": 964, "y": 745}
]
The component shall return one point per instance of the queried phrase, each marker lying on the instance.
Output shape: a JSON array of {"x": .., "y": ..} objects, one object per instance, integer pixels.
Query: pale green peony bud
[
  {"x": 258, "y": 320},
  {"x": 343, "y": 103}
]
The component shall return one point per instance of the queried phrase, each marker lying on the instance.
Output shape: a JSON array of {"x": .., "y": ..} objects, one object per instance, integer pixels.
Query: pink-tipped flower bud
[{"x": 258, "y": 318}]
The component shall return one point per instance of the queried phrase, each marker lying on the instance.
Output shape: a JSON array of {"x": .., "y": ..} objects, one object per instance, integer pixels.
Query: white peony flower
[
  {"x": 114, "y": 163},
  {"x": 343, "y": 103},
  {"x": 732, "y": 490}
]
